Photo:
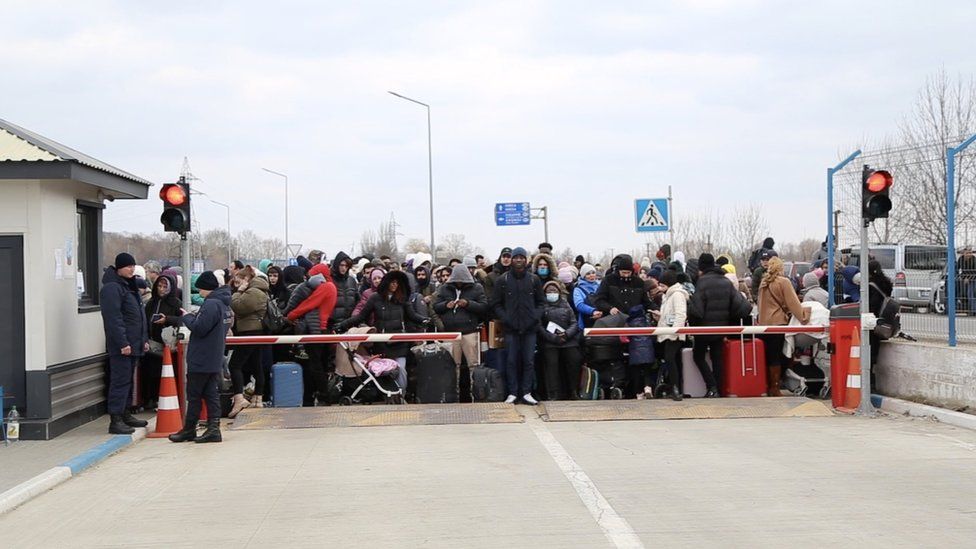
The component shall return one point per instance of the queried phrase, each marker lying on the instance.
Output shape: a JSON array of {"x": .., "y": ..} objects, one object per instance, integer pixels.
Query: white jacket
[{"x": 674, "y": 311}]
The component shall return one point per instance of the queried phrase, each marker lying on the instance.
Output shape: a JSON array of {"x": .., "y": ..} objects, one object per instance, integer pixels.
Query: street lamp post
[
  {"x": 286, "y": 206},
  {"x": 230, "y": 237},
  {"x": 430, "y": 170}
]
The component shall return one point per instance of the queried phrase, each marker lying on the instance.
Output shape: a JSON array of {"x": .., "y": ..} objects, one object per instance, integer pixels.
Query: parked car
[
  {"x": 939, "y": 302},
  {"x": 914, "y": 269}
]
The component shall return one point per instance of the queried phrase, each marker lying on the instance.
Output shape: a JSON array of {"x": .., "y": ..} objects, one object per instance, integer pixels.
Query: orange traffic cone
[
  {"x": 168, "y": 417},
  {"x": 852, "y": 396}
]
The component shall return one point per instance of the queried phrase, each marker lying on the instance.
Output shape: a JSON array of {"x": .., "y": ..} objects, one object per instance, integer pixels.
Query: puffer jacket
[
  {"x": 309, "y": 321},
  {"x": 347, "y": 290},
  {"x": 711, "y": 304},
  {"x": 584, "y": 289},
  {"x": 615, "y": 292},
  {"x": 674, "y": 311},
  {"x": 389, "y": 316},
  {"x": 316, "y": 308},
  {"x": 122, "y": 314},
  {"x": 251, "y": 305},
  {"x": 640, "y": 349},
  {"x": 561, "y": 314},
  {"x": 461, "y": 286},
  {"x": 517, "y": 301}
]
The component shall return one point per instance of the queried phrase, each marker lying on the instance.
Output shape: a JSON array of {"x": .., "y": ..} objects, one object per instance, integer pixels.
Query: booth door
[{"x": 12, "y": 338}]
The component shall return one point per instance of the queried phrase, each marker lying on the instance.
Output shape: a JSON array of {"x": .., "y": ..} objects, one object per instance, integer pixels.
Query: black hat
[
  {"x": 124, "y": 260},
  {"x": 207, "y": 281},
  {"x": 505, "y": 250},
  {"x": 706, "y": 262},
  {"x": 545, "y": 245}
]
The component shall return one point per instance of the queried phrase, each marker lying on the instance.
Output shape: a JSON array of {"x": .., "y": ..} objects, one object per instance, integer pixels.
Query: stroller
[
  {"x": 811, "y": 375},
  {"x": 366, "y": 378}
]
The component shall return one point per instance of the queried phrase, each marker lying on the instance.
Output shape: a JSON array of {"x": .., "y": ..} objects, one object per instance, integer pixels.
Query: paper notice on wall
[{"x": 58, "y": 264}]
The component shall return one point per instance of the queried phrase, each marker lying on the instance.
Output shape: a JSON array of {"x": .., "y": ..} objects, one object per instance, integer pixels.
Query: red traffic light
[
  {"x": 173, "y": 194},
  {"x": 879, "y": 181}
]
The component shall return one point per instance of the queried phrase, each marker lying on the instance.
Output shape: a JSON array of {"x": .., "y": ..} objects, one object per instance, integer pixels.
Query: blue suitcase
[{"x": 287, "y": 388}]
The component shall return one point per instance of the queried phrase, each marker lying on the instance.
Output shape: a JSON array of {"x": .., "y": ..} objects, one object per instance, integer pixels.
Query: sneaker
[
  {"x": 529, "y": 400},
  {"x": 511, "y": 399}
]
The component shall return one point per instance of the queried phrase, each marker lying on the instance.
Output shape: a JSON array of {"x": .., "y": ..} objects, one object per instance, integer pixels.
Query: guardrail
[
  {"x": 342, "y": 338},
  {"x": 706, "y": 330}
]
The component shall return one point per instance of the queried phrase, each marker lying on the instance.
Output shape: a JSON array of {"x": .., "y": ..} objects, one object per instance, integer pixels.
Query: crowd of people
[{"x": 539, "y": 304}]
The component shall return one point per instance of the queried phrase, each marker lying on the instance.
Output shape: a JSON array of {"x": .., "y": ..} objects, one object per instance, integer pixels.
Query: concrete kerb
[
  {"x": 30, "y": 489},
  {"x": 914, "y": 409}
]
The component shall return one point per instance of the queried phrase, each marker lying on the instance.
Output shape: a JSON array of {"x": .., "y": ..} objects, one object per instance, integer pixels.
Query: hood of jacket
[
  {"x": 293, "y": 274},
  {"x": 553, "y": 268},
  {"x": 264, "y": 264},
  {"x": 560, "y": 289},
  {"x": 768, "y": 243},
  {"x": 315, "y": 281},
  {"x": 460, "y": 274},
  {"x": 173, "y": 291},
  {"x": 321, "y": 269},
  {"x": 402, "y": 281},
  {"x": 588, "y": 287},
  {"x": 222, "y": 293},
  {"x": 336, "y": 261},
  {"x": 260, "y": 283}
]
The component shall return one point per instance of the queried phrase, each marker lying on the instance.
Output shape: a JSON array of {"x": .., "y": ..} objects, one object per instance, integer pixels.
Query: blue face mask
[
  {"x": 543, "y": 271},
  {"x": 552, "y": 298}
]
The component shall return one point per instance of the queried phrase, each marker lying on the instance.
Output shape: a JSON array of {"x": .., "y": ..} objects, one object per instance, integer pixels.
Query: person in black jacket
[
  {"x": 163, "y": 309},
  {"x": 126, "y": 339},
  {"x": 559, "y": 332},
  {"x": 462, "y": 306},
  {"x": 205, "y": 359},
  {"x": 711, "y": 305},
  {"x": 879, "y": 287},
  {"x": 517, "y": 301}
]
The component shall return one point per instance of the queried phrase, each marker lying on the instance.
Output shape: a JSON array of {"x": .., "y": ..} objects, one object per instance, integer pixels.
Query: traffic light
[
  {"x": 176, "y": 207},
  {"x": 875, "y": 202}
]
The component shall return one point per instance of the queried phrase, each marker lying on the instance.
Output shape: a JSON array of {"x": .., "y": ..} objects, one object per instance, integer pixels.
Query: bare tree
[
  {"x": 456, "y": 245},
  {"x": 416, "y": 245},
  {"x": 745, "y": 231},
  {"x": 380, "y": 242}
]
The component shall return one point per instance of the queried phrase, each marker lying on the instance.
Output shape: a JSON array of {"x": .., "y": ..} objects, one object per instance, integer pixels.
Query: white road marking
[{"x": 614, "y": 527}]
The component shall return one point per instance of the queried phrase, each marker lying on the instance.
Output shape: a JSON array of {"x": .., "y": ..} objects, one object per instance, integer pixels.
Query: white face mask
[{"x": 552, "y": 298}]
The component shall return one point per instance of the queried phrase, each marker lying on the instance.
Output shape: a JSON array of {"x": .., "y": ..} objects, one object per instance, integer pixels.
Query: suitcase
[
  {"x": 589, "y": 384},
  {"x": 436, "y": 374},
  {"x": 692, "y": 383},
  {"x": 744, "y": 371},
  {"x": 487, "y": 385},
  {"x": 287, "y": 388}
]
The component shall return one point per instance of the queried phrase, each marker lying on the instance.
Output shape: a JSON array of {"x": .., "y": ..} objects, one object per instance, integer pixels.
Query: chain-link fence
[{"x": 912, "y": 244}]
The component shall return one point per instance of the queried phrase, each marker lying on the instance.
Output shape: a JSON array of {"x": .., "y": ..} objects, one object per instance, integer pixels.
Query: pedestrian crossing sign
[{"x": 652, "y": 215}]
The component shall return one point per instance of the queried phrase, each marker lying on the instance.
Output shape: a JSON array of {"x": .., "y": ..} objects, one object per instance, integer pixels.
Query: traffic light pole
[
  {"x": 185, "y": 262},
  {"x": 865, "y": 408}
]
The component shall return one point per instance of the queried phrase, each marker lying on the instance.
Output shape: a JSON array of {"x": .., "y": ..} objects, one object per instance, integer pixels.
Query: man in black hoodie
[
  {"x": 500, "y": 267},
  {"x": 126, "y": 339},
  {"x": 711, "y": 305}
]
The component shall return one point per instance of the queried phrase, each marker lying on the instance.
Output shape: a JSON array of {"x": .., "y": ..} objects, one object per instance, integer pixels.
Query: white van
[{"x": 914, "y": 269}]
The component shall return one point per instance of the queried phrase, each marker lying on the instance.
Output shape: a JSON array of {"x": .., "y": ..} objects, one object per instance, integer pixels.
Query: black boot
[
  {"x": 187, "y": 434},
  {"x": 133, "y": 421},
  {"x": 712, "y": 393},
  {"x": 118, "y": 426},
  {"x": 676, "y": 393},
  {"x": 212, "y": 434}
]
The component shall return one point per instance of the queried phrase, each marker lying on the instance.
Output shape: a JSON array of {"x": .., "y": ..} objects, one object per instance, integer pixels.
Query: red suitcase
[{"x": 744, "y": 371}]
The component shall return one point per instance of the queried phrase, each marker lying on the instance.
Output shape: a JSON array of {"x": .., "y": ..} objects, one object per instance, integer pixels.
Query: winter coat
[
  {"x": 777, "y": 301},
  {"x": 640, "y": 349},
  {"x": 584, "y": 289},
  {"x": 615, "y": 292},
  {"x": 316, "y": 308},
  {"x": 561, "y": 314},
  {"x": 674, "y": 311},
  {"x": 517, "y": 301},
  {"x": 250, "y": 306},
  {"x": 851, "y": 291},
  {"x": 168, "y": 305},
  {"x": 208, "y": 333},
  {"x": 461, "y": 319},
  {"x": 123, "y": 317},
  {"x": 389, "y": 317},
  {"x": 497, "y": 270},
  {"x": 347, "y": 290},
  {"x": 711, "y": 304},
  {"x": 553, "y": 275}
]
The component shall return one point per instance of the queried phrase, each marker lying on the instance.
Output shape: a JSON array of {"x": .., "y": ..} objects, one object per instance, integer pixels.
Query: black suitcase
[
  {"x": 487, "y": 385},
  {"x": 436, "y": 374}
]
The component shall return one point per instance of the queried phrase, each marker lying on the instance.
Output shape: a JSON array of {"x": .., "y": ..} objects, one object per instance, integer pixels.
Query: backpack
[
  {"x": 754, "y": 259},
  {"x": 273, "y": 321},
  {"x": 589, "y": 384},
  {"x": 889, "y": 317}
]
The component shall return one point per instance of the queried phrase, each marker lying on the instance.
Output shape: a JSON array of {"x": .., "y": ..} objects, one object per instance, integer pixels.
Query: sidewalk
[{"x": 26, "y": 459}]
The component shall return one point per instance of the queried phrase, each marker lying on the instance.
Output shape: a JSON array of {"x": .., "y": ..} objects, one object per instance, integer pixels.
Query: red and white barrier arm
[
  {"x": 705, "y": 330},
  {"x": 342, "y": 338}
]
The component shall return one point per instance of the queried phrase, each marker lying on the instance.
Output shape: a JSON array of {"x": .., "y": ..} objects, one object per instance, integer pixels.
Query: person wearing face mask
[
  {"x": 462, "y": 306},
  {"x": 585, "y": 287},
  {"x": 544, "y": 266},
  {"x": 517, "y": 301},
  {"x": 559, "y": 332}
]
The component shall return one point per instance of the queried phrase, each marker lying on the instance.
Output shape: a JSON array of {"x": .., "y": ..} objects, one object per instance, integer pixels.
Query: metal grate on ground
[
  {"x": 718, "y": 408},
  {"x": 376, "y": 415}
]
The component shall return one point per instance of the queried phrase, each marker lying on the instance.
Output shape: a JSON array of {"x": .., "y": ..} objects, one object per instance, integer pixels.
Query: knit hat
[
  {"x": 303, "y": 263},
  {"x": 469, "y": 262},
  {"x": 810, "y": 280},
  {"x": 729, "y": 268},
  {"x": 377, "y": 273},
  {"x": 566, "y": 275},
  {"x": 656, "y": 272},
  {"x": 124, "y": 260},
  {"x": 207, "y": 281},
  {"x": 520, "y": 251},
  {"x": 586, "y": 269},
  {"x": 706, "y": 262}
]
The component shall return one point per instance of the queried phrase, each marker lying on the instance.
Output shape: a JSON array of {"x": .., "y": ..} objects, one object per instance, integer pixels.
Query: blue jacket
[
  {"x": 208, "y": 332},
  {"x": 640, "y": 348},
  {"x": 584, "y": 289},
  {"x": 122, "y": 314},
  {"x": 853, "y": 291}
]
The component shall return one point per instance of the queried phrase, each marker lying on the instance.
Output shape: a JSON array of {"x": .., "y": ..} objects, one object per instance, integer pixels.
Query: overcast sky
[{"x": 580, "y": 106}]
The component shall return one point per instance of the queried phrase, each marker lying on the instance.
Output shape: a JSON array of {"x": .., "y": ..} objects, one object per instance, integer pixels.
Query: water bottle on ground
[{"x": 13, "y": 426}]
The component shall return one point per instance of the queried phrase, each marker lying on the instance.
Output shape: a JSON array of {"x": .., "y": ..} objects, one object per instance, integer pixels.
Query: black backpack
[
  {"x": 273, "y": 321},
  {"x": 755, "y": 258}
]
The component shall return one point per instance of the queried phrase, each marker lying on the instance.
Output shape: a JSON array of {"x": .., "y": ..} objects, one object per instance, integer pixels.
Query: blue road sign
[
  {"x": 513, "y": 213},
  {"x": 652, "y": 215}
]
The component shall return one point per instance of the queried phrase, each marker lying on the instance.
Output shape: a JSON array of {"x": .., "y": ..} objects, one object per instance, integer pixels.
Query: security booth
[{"x": 52, "y": 345}]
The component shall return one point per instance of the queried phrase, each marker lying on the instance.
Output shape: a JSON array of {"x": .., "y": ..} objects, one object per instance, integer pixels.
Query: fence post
[
  {"x": 830, "y": 223},
  {"x": 951, "y": 236}
]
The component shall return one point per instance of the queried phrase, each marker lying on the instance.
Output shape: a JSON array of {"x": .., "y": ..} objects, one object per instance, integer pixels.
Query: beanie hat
[
  {"x": 729, "y": 268},
  {"x": 377, "y": 273},
  {"x": 586, "y": 269},
  {"x": 706, "y": 262},
  {"x": 566, "y": 275},
  {"x": 207, "y": 281},
  {"x": 520, "y": 251},
  {"x": 124, "y": 260},
  {"x": 469, "y": 262},
  {"x": 656, "y": 272},
  {"x": 304, "y": 263}
]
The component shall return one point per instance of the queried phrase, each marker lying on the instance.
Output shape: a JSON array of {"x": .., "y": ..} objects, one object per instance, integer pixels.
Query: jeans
[
  {"x": 521, "y": 354},
  {"x": 713, "y": 346},
  {"x": 120, "y": 370}
]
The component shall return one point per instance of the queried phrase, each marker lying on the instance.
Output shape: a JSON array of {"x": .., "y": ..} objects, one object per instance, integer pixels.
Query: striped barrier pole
[
  {"x": 342, "y": 338},
  {"x": 705, "y": 330}
]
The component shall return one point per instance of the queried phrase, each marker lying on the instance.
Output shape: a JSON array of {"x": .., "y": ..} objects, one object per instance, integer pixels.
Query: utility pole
[{"x": 543, "y": 214}]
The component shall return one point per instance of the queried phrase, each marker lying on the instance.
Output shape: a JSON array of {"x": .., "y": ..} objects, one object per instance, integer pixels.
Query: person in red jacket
[{"x": 316, "y": 310}]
